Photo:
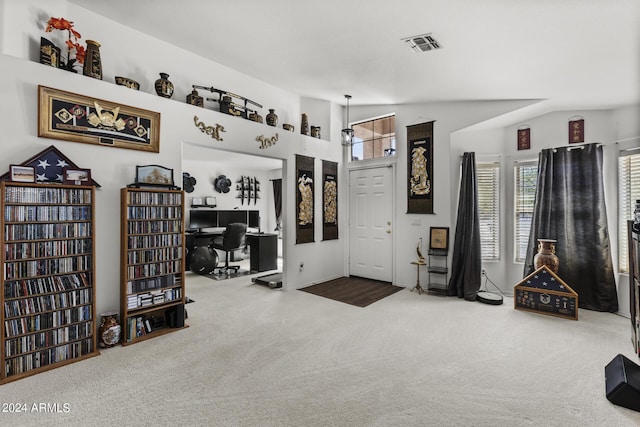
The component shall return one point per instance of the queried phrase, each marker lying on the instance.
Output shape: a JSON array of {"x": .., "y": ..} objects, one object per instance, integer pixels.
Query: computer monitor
[
  {"x": 228, "y": 217},
  {"x": 202, "y": 218},
  {"x": 254, "y": 219}
]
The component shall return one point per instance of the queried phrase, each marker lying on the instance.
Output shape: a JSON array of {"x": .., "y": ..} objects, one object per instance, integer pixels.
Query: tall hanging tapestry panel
[
  {"x": 304, "y": 199},
  {"x": 329, "y": 200},
  {"x": 420, "y": 168}
]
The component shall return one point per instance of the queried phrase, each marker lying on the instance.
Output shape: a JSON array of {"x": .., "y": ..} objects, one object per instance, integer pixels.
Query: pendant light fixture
[{"x": 347, "y": 133}]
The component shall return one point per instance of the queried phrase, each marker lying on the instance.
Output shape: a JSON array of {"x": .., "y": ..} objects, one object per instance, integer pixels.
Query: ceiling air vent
[{"x": 422, "y": 42}]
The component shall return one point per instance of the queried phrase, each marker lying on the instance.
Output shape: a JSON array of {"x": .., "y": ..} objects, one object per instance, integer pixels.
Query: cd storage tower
[
  {"x": 48, "y": 281},
  {"x": 152, "y": 263}
]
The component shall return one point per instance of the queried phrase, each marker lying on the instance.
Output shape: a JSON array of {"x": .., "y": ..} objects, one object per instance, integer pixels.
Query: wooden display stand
[
  {"x": 544, "y": 292},
  {"x": 418, "y": 287},
  {"x": 438, "y": 274},
  {"x": 48, "y": 298},
  {"x": 152, "y": 263}
]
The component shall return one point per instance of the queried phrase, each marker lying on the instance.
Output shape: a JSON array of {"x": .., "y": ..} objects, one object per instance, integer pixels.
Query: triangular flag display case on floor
[{"x": 544, "y": 292}]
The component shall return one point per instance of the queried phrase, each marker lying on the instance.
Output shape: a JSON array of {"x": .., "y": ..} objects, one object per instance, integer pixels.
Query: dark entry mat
[{"x": 353, "y": 290}]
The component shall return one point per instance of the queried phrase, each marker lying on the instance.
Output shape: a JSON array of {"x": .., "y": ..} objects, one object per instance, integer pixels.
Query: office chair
[{"x": 233, "y": 239}]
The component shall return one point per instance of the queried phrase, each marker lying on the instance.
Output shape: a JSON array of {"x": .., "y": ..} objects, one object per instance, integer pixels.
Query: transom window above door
[{"x": 374, "y": 138}]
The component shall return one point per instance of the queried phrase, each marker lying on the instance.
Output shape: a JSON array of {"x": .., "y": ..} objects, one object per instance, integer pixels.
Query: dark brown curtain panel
[
  {"x": 466, "y": 265},
  {"x": 277, "y": 201},
  {"x": 570, "y": 208}
]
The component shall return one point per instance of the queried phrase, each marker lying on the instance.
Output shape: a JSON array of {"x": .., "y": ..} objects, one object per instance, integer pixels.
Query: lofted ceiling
[{"x": 575, "y": 54}]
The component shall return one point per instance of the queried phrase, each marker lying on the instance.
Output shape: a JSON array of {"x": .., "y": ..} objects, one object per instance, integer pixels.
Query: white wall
[
  {"x": 114, "y": 168},
  {"x": 449, "y": 118},
  {"x": 615, "y": 129},
  {"x": 23, "y": 24},
  {"x": 206, "y": 171}
]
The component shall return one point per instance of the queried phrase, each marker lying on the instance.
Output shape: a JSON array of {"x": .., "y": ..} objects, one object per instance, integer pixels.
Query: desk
[{"x": 263, "y": 248}]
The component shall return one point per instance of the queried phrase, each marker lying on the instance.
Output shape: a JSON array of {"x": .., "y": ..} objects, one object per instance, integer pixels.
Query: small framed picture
[
  {"x": 76, "y": 176},
  {"x": 196, "y": 201},
  {"x": 524, "y": 139},
  {"x": 439, "y": 238},
  {"x": 154, "y": 175},
  {"x": 49, "y": 53},
  {"x": 22, "y": 173},
  {"x": 211, "y": 201}
]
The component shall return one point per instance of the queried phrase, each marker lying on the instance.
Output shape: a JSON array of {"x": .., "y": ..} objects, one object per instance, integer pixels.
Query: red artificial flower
[
  {"x": 58, "y": 24},
  {"x": 80, "y": 53},
  {"x": 71, "y": 42},
  {"x": 62, "y": 24}
]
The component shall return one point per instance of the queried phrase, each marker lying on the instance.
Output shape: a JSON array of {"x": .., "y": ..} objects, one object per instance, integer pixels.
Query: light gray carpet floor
[{"x": 254, "y": 356}]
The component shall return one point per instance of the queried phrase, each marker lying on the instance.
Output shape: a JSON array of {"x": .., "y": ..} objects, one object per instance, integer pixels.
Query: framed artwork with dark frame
[
  {"x": 439, "y": 238},
  {"x": 576, "y": 131},
  {"x": 19, "y": 173},
  {"x": 420, "y": 168},
  {"x": 524, "y": 138},
  {"x": 329, "y": 200},
  {"x": 71, "y": 117},
  {"x": 305, "y": 218},
  {"x": 76, "y": 176},
  {"x": 49, "y": 53}
]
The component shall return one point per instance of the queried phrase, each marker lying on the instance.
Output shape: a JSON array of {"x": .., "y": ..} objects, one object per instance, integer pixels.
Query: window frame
[
  {"x": 521, "y": 204},
  {"x": 628, "y": 193},
  {"x": 493, "y": 194},
  {"x": 361, "y": 142}
]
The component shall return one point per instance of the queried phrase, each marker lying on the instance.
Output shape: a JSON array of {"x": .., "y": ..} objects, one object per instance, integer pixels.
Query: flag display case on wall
[{"x": 544, "y": 292}]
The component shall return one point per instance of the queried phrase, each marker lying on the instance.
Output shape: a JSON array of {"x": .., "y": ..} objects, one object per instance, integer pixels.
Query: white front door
[{"x": 370, "y": 227}]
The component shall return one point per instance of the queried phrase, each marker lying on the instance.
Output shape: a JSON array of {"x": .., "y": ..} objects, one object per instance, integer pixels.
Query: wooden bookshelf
[
  {"x": 152, "y": 263},
  {"x": 48, "y": 281}
]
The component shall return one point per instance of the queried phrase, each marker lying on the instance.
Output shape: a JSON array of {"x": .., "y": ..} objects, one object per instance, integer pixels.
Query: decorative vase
[
  {"x": 304, "y": 125},
  {"x": 92, "y": 62},
  {"x": 546, "y": 255},
  {"x": 127, "y": 82},
  {"x": 164, "y": 87},
  {"x": 109, "y": 332},
  {"x": 315, "y": 131},
  {"x": 195, "y": 99},
  {"x": 272, "y": 118}
]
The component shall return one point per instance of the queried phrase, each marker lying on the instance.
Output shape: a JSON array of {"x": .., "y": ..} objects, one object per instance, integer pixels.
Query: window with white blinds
[
  {"x": 489, "y": 209},
  {"x": 525, "y": 176},
  {"x": 628, "y": 193}
]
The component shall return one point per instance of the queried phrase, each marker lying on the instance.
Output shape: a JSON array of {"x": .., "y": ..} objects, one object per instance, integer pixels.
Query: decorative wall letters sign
[
  {"x": 304, "y": 199},
  {"x": 576, "y": 131},
  {"x": 70, "y": 117},
  {"x": 213, "y": 132},
  {"x": 420, "y": 168},
  {"x": 329, "y": 200},
  {"x": 266, "y": 142}
]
